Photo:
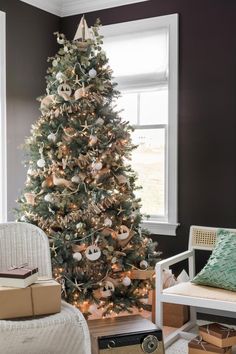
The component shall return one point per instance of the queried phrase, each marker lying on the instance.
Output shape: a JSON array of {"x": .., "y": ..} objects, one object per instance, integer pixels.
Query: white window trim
[
  {"x": 3, "y": 160},
  {"x": 171, "y": 22}
]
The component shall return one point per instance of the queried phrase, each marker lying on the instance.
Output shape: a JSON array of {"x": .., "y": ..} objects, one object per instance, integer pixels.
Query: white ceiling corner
[
  {"x": 65, "y": 8},
  {"x": 52, "y": 6}
]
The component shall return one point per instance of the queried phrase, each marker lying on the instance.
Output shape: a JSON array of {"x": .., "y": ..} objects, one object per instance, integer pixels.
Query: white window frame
[
  {"x": 3, "y": 160},
  {"x": 154, "y": 225}
]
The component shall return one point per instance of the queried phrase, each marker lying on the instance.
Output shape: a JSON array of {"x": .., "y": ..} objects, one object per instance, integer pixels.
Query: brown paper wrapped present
[
  {"x": 219, "y": 335},
  {"x": 41, "y": 298},
  {"x": 198, "y": 346}
]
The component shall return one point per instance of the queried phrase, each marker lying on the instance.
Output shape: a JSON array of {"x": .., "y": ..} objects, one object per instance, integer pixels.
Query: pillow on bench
[{"x": 220, "y": 270}]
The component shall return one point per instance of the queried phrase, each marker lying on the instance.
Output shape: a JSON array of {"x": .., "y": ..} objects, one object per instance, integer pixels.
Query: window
[
  {"x": 3, "y": 192},
  {"x": 144, "y": 57}
]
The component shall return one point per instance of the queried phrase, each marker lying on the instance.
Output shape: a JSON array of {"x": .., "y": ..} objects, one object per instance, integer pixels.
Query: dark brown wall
[
  {"x": 207, "y": 91},
  {"x": 29, "y": 41},
  {"x": 207, "y": 107}
]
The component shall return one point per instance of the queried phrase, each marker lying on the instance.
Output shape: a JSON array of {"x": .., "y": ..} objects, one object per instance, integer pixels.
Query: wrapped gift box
[
  {"x": 19, "y": 277},
  {"x": 41, "y": 298},
  {"x": 174, "y": 315},
  {"x": 219, "y": 335},
  {"x": 198, "y": 346}
]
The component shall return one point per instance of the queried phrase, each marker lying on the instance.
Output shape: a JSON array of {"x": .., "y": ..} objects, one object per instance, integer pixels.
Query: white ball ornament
[
  {"x": 92, "y": 73},
  {"x": 126, "y": 281},
  {"x": 52, "y": 137},
  {"x": 107, "y": 289},
  {"x": 75, "y": 179},
  {"x": 107, "y": 222},
  {"x": 41, "y": 163},
  {"x": 49, "y": 198},
  {"x": 97, "y": 166},
  {"x": 60, "y": 76},
  {"x": 79, "y": 226},
  {"x": 54, "y": 63},
  {"x": 77, "y": 256},
  {"x": 143, "y": 264},
  {"x": 113, "y": 260},
  {"x": 123, "y": 233},
  {"x": 93, "y": 253}
]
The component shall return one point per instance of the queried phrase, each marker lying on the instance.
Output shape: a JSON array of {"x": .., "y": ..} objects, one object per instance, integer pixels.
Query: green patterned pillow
[{"x": 220, "y": 270}]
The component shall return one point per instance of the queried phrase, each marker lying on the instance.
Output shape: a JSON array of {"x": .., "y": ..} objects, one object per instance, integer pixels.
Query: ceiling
[{"x": 73, "y": 7}]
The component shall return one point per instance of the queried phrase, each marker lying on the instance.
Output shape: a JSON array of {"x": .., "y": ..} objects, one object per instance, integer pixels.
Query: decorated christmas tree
[{"x": 80, "y": 184}]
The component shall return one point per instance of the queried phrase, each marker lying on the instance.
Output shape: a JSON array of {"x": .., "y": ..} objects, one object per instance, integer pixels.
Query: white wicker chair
[
  {"x": 62, "y": 333},
  {"x": 207, "y": 298}
]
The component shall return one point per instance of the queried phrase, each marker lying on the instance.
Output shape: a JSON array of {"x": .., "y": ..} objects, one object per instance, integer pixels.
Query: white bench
[{"x": 200, "y": 238}]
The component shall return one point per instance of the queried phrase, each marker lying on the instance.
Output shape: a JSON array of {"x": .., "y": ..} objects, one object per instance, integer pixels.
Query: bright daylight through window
[{"x": 143, "y": 56}]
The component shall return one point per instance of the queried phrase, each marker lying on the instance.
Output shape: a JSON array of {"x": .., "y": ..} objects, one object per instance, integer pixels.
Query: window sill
[{"x": 160, "y": 228}]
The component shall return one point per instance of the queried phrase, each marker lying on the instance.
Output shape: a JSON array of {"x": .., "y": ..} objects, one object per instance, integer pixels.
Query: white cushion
[
  {"x": 64, "y": 332},
  {"x": 194, "y": 290}
]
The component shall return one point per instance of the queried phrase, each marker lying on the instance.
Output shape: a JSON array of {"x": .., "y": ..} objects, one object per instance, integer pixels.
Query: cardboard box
[
  {"x": 198, "y": 346},
  {"x": 218, "y": 335},
  {"x": 41, "y": 298},
  {"x": 174, "y": 315}
]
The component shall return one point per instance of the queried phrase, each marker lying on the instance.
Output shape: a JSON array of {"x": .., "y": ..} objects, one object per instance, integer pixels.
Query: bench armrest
[
  {"x": 168, "y": 262},
  {"x": 173, "y": 260}
]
